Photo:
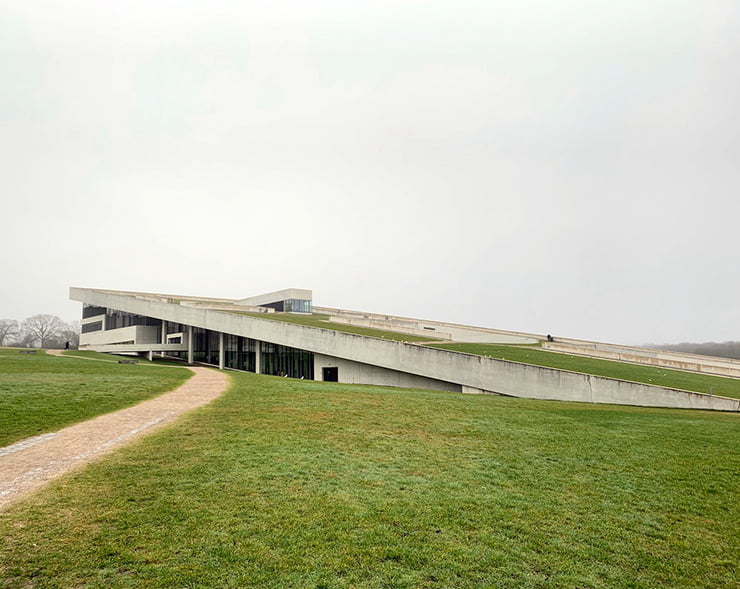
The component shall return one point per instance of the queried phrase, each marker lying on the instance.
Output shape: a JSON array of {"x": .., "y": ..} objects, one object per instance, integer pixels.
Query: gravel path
[{"x": 30, "y": 463}]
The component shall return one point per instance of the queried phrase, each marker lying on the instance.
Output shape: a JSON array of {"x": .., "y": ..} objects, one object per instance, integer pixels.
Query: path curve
[{"x": 33, "y": 462}]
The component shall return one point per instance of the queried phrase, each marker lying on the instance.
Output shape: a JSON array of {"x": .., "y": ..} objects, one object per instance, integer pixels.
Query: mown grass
[
  {"x": 688, "y": 381},
  {"x": 106, "y": 357},
  {"x": 285, "y": 483},
  {"x": 322, "y": 321},
  {"x": 41, "y": 393}
]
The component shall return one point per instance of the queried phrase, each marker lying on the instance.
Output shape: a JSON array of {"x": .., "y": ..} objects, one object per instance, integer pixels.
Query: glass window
[
  {"x": 239, "y": 353},
  {"x": 94, "y": 326},
  {"x": 118, "y": 319},
  {"x": 285, "y": 361},
  {"x": 92, "y": 311}
]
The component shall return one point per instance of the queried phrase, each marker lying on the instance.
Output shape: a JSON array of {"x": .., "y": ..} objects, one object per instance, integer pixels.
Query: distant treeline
[{"x": 723, "y": 349}]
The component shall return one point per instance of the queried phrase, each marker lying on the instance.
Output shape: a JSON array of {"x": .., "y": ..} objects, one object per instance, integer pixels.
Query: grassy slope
[
  {"x": 322, "y": 321},
  {"x": 689, "y": 381},
  {"x": 105, "y": 357},
  {"x": 40, "y": 393},
  {"x": 285, "y": 483}
]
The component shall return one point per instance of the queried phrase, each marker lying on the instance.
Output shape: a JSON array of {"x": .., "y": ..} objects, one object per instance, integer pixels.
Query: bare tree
[
  {"x": 8, "y": 328},
  {"x": 70, "y": 332},
  {"x": 43, "y": 328},
  {"x": 24, "y": 340},
  {"x": 721, "y": 349}
]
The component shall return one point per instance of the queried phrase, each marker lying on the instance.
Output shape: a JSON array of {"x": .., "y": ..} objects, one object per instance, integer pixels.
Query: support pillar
[
  {"x": 164, "y": 337},
  {"x": 221, "y": 350},
  {"x": 257, "y": 356},
  {"x": 190, "y": 344},
  {"x": 150, "y": 355}
]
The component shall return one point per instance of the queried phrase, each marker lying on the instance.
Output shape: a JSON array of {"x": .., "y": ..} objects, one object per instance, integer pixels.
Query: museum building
[{"x": 283, "y": 333}]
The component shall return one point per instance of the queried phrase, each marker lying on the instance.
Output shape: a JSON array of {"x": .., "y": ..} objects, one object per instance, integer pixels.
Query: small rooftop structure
[{"x": 288, "y": 300}]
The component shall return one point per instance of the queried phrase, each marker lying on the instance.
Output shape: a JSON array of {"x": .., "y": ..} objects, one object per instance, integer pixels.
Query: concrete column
[
  {"x": 164, "y": 336},
  {"x": 257, "y": 356},
  {"x": 190, "y": 344},
  {"x": 221, "y": 350},
  {"x": 150, "y": 355}
]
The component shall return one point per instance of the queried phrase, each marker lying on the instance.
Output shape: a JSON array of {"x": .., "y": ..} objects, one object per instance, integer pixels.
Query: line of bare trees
[
  {"x": 722, "y": 349},
  {"x": 42, "y": 331}
]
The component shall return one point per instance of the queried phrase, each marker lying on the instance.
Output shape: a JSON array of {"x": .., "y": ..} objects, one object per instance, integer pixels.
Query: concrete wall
[
  {"x": 228, "y": 307},
  {"x": 127, "y": 348},
  {"x": 665, "y": 359},
  {"x": 143, "y": 334},
  {"x": 445, "y": 330},
  {"x": 93, "y": 319},
  {"x": 474, "y": 372},
  {"x": 402, "y": 328},
  {"x": 359, "y": 373}
]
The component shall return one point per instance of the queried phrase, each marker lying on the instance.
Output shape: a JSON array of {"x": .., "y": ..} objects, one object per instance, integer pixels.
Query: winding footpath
[{"x": 28, "y": 464}]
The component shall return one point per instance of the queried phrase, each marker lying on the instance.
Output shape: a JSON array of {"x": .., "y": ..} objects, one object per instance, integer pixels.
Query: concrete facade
[
  {"x": 435, "y": 329},
  {"x": 370, "y": 360},
  {"x": 360, "y": 373},
  {"x": 662, "y": 358},
  {"x": 141, "y": 334},
  {"x": 278, "y": 295}
]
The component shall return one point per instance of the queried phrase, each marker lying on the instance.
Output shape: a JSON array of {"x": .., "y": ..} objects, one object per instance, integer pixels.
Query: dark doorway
[{"x": 330, "y": 374}]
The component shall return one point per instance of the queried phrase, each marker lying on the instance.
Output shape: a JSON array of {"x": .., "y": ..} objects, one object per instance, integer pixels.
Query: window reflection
[{"x": 285, "y": 361}]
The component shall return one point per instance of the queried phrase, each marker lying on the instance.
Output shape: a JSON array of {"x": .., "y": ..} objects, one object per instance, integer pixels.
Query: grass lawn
[
  {"x": 287, "y": 483},
  {"x": 322, "y": 321},
  {"x": 104, "y": 357},
  {"x": 41, "y": 393},
  {"x": 688, "y": 381}
]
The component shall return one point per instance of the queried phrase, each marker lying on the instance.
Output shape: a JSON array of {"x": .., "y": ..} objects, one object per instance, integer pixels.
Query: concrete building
[{"x": 266, "y": 334}]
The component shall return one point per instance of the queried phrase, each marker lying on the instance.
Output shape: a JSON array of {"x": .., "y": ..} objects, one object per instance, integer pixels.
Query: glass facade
[
  {"x": 176, "y": 327},
  {"x": 205, "y": 346},
  {"x": 297, "y": 306},
  {"x": 239, "y": 353},
  {"x": 117, "y": 319},
  {"x": 284, "y": 361},
  {"x": 290, "y": 306},
  {"x": 89, "y": 327},
  {"x": 92, "y": 311},
  {"x": 173, "y": 327}
]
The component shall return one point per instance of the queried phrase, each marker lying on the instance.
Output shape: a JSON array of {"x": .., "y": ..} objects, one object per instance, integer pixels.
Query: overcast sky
[{"x": 564, "y": 167}]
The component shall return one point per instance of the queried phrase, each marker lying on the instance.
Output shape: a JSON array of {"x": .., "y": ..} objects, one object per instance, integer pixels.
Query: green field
[
  {"x": 41, "y": 393},
  {"x": 678, "y": 379},
  {"x": 287, "y": 483},
  {"x": 105, "y": 357},
  {"x": 322, "y": 321}
]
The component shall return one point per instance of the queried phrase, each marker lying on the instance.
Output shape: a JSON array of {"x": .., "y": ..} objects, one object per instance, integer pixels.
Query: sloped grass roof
[{"x": 679, "y": 379}]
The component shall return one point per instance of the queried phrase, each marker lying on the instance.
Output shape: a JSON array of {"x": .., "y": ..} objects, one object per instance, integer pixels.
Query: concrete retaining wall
[
  {"x": 664, "y": 359},
  {"x": 474, "y": 372},
  {"x": 358, "y": 373},
  {"x": 144, "y": 334},
  {"x": 456, "y": 332},
  {"x": 434, "y": 334}
]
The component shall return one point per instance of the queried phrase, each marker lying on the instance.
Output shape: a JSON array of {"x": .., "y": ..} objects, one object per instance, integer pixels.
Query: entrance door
[{"x": 330, "y": 374}]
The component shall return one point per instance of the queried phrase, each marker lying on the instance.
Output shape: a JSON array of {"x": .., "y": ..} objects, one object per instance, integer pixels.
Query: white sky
[{"x": 564, "y": 167}]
